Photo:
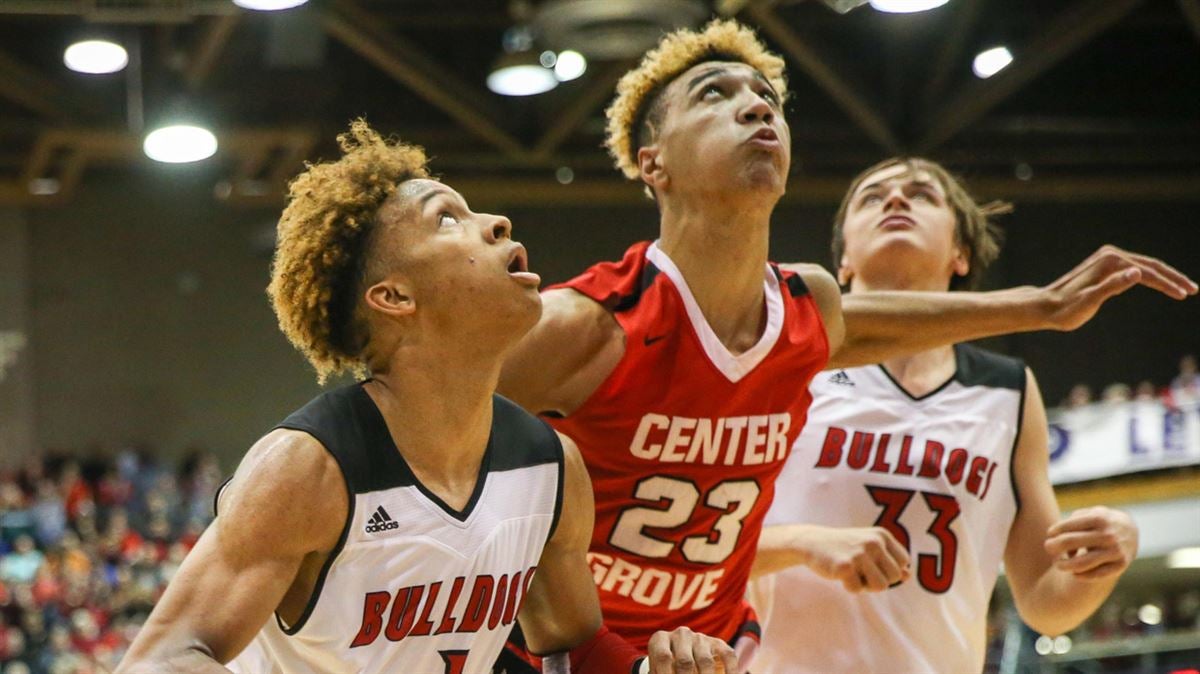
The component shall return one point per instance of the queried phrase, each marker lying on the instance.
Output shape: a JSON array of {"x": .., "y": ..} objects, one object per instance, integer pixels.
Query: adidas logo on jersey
[
  {"x": 840, "y": 377},
  {"x": 381, "y": 521}
]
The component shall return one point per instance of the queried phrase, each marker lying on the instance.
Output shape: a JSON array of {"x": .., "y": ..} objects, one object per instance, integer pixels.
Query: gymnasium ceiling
[{"x": 1101, "y": 102}]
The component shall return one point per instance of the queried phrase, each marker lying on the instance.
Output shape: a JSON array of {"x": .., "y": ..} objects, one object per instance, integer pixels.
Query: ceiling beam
[
  {"x": 1191, "y": 12},
  {"x": 595, "y": 93},
  {"x": 818, "y": 67},
  {"x": 207, "y": 52},
  {"x": 1064, "y": 34},
  {"x": 502, "y": 192},
  {"x": 406, "y": 63},
  {"x": 32, "y": 90},
  {"x": 962, "y": 25}
]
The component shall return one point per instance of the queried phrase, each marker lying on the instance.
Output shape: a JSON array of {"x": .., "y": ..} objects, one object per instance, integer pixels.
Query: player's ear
[
  {"x": 391, "y": 297},
  {"x": 843, "y": 273},
  {"x": 650, "y": 165},
  {"x": 961, "y": 264}
]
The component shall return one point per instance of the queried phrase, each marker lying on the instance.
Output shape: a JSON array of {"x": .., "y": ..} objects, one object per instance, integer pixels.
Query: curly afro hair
[
  {"x": 637, "y": 109},
  {"x": 322, "y": 242}
]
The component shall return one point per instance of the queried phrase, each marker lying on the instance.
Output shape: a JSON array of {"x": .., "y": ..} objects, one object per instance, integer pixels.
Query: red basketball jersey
[{"x": 684, "y": 441}]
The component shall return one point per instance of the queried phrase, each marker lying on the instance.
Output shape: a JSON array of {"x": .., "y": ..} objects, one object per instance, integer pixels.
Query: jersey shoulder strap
[
  {"x": 980, "y": 367},
  {"x": 617, "y": 286}
]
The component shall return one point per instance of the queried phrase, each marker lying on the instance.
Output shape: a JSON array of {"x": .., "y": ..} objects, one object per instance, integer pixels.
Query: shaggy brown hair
[
  {"x": 322, "y": 242},
  {"x": 636, "y": 113},
  {"x": 974, "y": 228}
]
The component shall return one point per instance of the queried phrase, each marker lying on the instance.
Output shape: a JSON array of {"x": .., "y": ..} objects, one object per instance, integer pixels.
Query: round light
[
  {"x": 991, "y": 61},
  {"x": 1044, "y": 645},
  {"x": 96, "y": 57},
  {"x": 1062, "y": 644},
  {"x": 268, "y": 5},
  {"x": 571, "y": 64},
  {"x": 564, "y": 175},
  {"x": 1150, "y": 614},
  {"x": 180, "y": 144},
  {"x": 521, "y": 80},
  {"x": 906, "y": 6}
]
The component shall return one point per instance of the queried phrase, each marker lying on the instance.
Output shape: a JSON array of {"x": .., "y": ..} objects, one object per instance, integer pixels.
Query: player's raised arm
[
  {"x": 561, "y": 615},
  {"x": 561, "y": 361},
  {"x": 246, "y": 563},
  {"x": 1060, "y": 570},
  {"x": 882, "y": 325}
]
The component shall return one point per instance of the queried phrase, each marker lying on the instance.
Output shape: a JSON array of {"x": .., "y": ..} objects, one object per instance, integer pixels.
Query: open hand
[
  {"x": 1077, "y": 295},
  {"x": 682, "y": 651},
  {"x": 1093, "y": 543}
]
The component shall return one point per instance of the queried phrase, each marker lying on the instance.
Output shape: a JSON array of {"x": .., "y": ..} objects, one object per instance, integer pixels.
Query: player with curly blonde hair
[
  {"x": 395, "y": 524},
  {"x": 681, "y": 371}
]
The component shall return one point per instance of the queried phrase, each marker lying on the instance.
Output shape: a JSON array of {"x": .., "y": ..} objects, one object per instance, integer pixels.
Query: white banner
[{"x": 1105, "y": 439}]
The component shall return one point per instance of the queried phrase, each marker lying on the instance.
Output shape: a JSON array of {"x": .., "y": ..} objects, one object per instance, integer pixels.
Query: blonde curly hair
[
  {"x": 974, "y": 228},
  {"x": 637, "y": 109},
  {"x": 322, "y": 245}
]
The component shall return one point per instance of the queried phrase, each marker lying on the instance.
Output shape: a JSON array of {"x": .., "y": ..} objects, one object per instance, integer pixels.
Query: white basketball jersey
[
  {"x": 416, "y": 587},
  {"x": 936, "y": 472}
]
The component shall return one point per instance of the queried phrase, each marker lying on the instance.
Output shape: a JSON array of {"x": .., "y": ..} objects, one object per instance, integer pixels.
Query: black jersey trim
[
  {"x": 979, "y": 367},
  {"x": 562, "y": 483},
  {"x": 480, "y": 482},
  {"x": 1012, "y": 457},
  {"x": 627, "y": 302},
  {"x": 900, "y": 387},
  {"x": 974, "y": 367},
  {"x": 795, "y": 285},
  {"x": 337, "y": 548}
]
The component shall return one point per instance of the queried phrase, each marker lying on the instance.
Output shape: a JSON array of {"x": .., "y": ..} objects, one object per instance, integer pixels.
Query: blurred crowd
[
  {"x": 1183, "y": 391},
  {"x": 87, "y": 548}
]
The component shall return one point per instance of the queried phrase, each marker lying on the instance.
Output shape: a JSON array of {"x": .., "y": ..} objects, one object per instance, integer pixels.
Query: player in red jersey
[{"x": 681, "y": 371}]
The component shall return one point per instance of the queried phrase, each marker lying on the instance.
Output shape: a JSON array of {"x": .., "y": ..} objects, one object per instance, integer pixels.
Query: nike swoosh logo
[{"x": 650, "y": 340}]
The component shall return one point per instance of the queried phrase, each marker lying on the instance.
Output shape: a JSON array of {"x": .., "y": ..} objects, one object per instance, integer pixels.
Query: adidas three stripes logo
[{"x": 381, "y": 521}]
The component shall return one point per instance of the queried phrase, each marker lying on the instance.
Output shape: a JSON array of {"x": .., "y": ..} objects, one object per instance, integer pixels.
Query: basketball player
[
  {"x": 682, "y": 370},
  {"x": 400, "y": 524},
  {"x": 939, "y": 456}
]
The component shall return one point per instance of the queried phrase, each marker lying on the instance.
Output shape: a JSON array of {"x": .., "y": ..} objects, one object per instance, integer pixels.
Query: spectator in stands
[
  {"x": 1080, "y": 395},
  {"x": 1116, "y": 393},
  {"x": 22, "y": 564},
  {"x": 1146, "y": 392},
  {"x": 1185, "y": 387}
]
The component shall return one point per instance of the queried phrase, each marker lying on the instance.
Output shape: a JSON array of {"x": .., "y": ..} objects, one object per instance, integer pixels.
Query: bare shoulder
[
  {"x": 818, "y": 279},
  {"x": 828, "y": 296},
  {"x": 570, "y": 310},
  {"x": 273, "y": 488},
  {"x": 570, "y": 351}
]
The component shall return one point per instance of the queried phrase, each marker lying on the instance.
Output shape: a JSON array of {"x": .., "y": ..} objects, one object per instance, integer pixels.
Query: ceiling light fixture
[
  {"x": 569, "y": 65},
  {"x": 268, "y": 5},
  {"x": 180, "y": 144},
  {"x": 906, "y": 6},
  {"x": 991, "y": 61},
  {"x": 1184, "y": 558},
  {"x": 96, "y": 57}
]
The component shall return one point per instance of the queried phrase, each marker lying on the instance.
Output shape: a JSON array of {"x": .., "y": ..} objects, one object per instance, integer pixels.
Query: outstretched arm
[
  {"x": 1060, "y": 570},
  {"x": 565, "y": 357},
  {"x": 561, "y": 614},
  {"x": 245, "y": 563},
  {"x": 882, "y": 325}
]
